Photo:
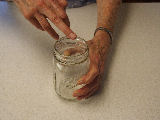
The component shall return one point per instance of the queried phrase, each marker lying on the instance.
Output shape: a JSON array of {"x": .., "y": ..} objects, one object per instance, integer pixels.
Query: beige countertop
[{"x": 131, "y": 85}]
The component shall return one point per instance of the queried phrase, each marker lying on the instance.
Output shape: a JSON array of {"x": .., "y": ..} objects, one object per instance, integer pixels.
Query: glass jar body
[
  {"x": 66, "y": 78},
  {"x": 68, "y": 70}
]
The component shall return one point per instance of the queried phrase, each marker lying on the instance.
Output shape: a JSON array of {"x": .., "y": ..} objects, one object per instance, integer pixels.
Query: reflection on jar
[{"x": 71, "y": 62}]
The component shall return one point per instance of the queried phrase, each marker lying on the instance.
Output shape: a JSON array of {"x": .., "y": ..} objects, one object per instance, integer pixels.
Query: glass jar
[{"x": 71, "y": 62}]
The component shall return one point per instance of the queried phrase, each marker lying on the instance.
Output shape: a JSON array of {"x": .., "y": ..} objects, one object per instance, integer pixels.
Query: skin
[
  {"x": 37, "y": 12},
  {"x": 98, "y": 49}
]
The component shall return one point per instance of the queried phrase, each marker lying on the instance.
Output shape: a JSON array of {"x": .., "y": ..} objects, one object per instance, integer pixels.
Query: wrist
[
  {"x": 105, "y": 33},
  {"x": 102, "y": 36},
  {"x": 105, "y": 25}
]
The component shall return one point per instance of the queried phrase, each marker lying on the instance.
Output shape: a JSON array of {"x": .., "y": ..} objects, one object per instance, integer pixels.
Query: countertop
[{"x": 131, "y": 86}]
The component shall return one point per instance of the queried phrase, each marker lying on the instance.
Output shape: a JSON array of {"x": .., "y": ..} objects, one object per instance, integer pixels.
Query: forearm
[
  {"x": 106, "y": 13},
  {"x": 107, "y": 10}
]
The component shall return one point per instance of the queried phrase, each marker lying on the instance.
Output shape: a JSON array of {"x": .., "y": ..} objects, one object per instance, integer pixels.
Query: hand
[
  {"x": 37, "y": 12},
  {"x": 98, "y": 49}
]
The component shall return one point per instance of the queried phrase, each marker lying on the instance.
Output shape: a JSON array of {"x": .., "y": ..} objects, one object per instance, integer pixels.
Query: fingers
[
  {"x": 54, "y": 10},
  {"x": 87, "y": 88},
  {"x": 46, "y": 26},
  {"x": 58, "y": 22},
  {"x": 57, "y": 8},
  {"x": 89, "y": 94},
  {"x": 35, "y": 22},
  {"x": 66, "y": 21},
  {"x": 28, "y": 14},
  {"x": 63, "y": 3},
  {"x": 90, "y": 76}
]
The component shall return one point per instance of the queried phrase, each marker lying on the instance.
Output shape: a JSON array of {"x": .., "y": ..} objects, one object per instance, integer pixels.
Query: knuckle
[
  {"x": 41, "y": 20},
  {"x": 63, "y": 15},
  {"x": 56, "y": 19},
  {"x": 119, "y": 2},
  {"x": 54, "y": 1},
  {"x": 97, "y": 86},
  {"x": 95, "y": 70},
  {"x": 64, "y": 3},
  {"x": 67, "y": 31},
  {"x": 85, "y": 90},
  {"x": 46, "y": 27},
  {"x": 27, "y": 15},
  {"x": 40, "y": 3}
]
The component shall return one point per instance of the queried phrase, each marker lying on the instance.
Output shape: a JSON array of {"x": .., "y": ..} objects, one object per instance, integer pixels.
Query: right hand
[
  {"x": 37, "y": 12},
  {"x": 98, "y": 50}
]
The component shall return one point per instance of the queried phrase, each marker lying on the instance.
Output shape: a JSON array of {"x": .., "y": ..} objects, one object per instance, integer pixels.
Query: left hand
[
  {"x": 38, "y": 12},
  {"x": 98, "y": 49}
]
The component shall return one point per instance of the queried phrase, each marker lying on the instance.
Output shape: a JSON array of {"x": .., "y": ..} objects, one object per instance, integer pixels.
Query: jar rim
[{"x": 85, "y": 53}]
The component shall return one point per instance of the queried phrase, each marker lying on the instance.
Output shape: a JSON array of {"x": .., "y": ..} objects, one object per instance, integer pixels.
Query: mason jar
[{"x": 71, "y": 62}]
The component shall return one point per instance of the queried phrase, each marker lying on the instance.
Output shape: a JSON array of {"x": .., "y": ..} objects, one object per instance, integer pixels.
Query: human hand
[
  {"x": 98, "y": 49},
  {"x": 37, "y": 12}
]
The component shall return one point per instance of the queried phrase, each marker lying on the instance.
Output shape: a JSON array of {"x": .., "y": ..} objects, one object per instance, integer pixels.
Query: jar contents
[
  {"x": 71, "y": 63},
  {"x": 72, "y": 51}
]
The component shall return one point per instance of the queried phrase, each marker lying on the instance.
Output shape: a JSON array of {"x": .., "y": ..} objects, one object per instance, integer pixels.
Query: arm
[
  {"x": 107, "y": 10},
  {"x": 98, "y": 48},
  {"x": 106, "y": 15}
]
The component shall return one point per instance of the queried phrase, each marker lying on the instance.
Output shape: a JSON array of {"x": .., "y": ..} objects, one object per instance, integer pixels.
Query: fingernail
[
  {"x": 41, "y": 28},
  {"x": 57, "y": 37},
  {"x": 79, "y": 82},
  {"x": 75, "y": 94},
  {"x": 79, "y": 98},
  {"x": 72, "y": 36}
]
